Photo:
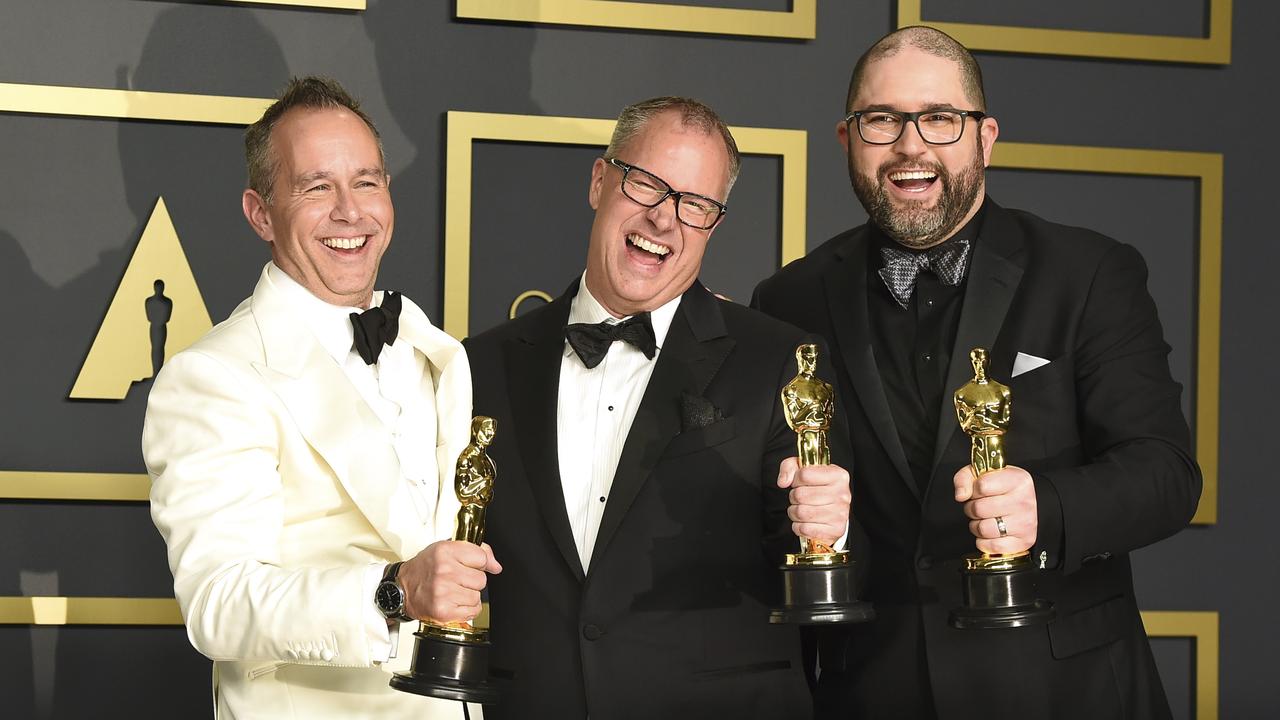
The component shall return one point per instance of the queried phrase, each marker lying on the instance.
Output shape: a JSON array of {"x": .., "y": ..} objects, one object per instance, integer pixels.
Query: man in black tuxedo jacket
[
  {"x": 1098, "y": 452},
  {"x": 642, "y": 507}
]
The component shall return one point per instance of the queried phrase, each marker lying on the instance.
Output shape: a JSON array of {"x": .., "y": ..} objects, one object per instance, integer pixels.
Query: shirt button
[
  {"x": 926, "y": 357},
  {"x": 592, "y": 632},
  {"x": 610, "y": 408},
  {"x": 925, "y": 562},
  {"x": 929, "y": 302}
]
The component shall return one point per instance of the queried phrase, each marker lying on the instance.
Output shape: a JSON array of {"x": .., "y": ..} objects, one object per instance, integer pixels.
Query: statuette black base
[
  {"x": 449, "y": 667},
  {"x": 821, "y": 593},
  {"x": 1000, "y": 595}
]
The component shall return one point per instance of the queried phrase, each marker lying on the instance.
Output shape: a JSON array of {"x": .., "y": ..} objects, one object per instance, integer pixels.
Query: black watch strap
[{"x": 392, "y": 571}]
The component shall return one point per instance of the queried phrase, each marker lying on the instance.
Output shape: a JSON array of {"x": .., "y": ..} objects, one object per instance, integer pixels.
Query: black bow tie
[
  {"x": 376, "y": 327},
  {"x": 591, "y": 342},
  {"x": 901, "y": 268}
]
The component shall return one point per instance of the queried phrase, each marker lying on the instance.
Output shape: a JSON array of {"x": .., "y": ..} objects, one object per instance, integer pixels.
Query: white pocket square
[{"x": 1024, "y": 363}]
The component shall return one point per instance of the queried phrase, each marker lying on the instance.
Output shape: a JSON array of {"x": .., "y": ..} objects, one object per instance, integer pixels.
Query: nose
[
  {"x": 910, "y": 142},
  {"x": 345, "y": 206},
  {"x": 663, "y": 215}
]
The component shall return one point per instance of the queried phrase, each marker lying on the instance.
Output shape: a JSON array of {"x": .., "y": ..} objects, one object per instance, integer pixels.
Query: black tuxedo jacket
[
  {"x": 671, "y": 618},
  {"x": 1101, "y": 430}
]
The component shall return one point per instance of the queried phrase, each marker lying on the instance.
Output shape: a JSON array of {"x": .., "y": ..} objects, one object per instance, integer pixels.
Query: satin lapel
[
  {"x": 332, "y": 417},
  {"x": 994, "y": 276},
  {"x": 695, "y": 348},
  {"x": 450, "y": 376},
  {"x": 533, "y": 375},
  {"x": 846, "y": 291}
]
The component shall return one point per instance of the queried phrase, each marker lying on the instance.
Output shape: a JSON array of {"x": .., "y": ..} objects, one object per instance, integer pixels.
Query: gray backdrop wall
[{"x": 79, "y": 183}]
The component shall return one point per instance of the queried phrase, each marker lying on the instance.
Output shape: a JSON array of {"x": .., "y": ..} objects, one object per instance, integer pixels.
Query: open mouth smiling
[
  {"x": 913, "y": 180},
  {"x": 647, "y": 249},
  {"x": 345, "y": 243}
]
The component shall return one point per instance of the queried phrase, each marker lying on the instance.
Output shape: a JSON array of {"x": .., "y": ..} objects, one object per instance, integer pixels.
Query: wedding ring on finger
[{"x": 1004, "y": 529}]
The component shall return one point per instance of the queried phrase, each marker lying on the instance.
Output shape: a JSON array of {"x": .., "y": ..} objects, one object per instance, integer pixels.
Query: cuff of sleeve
[
  {"x": 844, "y": 539},
  {"x": 381, "y": 647},
  {"x": 1047, "y": 553}
]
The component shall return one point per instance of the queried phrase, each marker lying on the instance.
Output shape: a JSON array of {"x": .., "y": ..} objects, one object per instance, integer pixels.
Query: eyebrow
[
  {"x": 311, "y": 177},
  {"x": 927, "y": 108}
]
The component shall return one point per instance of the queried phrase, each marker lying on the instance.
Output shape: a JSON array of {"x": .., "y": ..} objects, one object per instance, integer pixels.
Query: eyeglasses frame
[
  {"x": 626, "y": 169},
  {"x": 914, "y": 119}
]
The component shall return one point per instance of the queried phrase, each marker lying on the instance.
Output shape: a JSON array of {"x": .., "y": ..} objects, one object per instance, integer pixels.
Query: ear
[
  {"x": 842, "y": 134},
  {"x": 596, "y": 190},
  {"x": 989, "y": 130},
  {"x": 255, "y": 211}
]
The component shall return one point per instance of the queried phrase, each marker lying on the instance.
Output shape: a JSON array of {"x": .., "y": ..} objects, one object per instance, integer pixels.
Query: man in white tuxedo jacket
[{"x": 302, "y": 452}]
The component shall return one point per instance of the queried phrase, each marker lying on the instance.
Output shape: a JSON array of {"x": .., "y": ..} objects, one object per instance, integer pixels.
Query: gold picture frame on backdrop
[
  {"x": 87, "y": 486},
  {"x": 800, "y": 22},
  {"x": 465, "y": 128},
  {"x": 321, "y": 4},
  {"x": 1206, "y": 168},
  {"x": 1202, "y": 628},
  {"x": 1212, "y": 50}
]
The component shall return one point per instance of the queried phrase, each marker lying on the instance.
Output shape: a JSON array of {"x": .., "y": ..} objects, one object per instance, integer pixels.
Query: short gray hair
[
  {"x": 695, "y": 114},
  {"x": 310, "y": 92}
]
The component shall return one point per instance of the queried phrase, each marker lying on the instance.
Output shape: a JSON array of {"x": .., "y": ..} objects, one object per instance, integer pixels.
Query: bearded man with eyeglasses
[
  {"x": 1099, "y": 458},
  {"x": 646, "y": 493}
]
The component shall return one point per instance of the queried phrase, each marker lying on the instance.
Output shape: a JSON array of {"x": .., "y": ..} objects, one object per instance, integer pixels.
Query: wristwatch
[{"x": 389, "y": 597}]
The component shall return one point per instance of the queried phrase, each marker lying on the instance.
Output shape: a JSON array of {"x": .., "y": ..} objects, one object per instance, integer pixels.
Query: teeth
[
  {"x": 913, "y": 175},
  {"x": 345, "y": 243},
  {"x": 643, "y": 244}
]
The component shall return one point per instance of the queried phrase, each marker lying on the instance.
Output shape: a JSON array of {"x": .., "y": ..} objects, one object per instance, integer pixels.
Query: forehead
[
  {"x": 911, "y": 79},
  {"x": 311, "y": 135},
  {"x": 687, "y": 157}
]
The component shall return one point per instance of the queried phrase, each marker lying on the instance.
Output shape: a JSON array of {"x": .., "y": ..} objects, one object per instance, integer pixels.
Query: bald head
[{"x": 927, "y": 40}]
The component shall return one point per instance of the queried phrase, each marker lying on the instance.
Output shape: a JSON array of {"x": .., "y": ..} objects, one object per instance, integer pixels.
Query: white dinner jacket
[{"x": 275, "y": 487}]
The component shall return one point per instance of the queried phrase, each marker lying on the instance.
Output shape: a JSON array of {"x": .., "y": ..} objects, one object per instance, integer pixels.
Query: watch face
[{"x": 389, "y": 598}]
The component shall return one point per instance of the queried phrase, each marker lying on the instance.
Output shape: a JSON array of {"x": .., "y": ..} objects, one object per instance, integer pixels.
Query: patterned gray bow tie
[{"x": 901, "y": 268}]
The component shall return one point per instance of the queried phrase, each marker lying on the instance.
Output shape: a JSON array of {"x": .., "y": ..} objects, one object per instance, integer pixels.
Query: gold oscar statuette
[
  {"x": 451, "y": 660},
  {"x": 818, "y": 581},
  {"x": 999, "y": 588}
]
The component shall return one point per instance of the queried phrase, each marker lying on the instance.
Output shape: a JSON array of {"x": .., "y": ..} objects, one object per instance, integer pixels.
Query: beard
[{"x": 910, "y": 223}]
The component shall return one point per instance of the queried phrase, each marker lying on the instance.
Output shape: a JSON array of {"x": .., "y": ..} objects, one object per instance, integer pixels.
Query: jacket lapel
[
  {"x": 533, "y": 375},
  {"x": 994, "y": 274},
  {"x": 695, "y": 347},
  {"x": 845, "y": 283},
  {"x": 315, "y": 391}
]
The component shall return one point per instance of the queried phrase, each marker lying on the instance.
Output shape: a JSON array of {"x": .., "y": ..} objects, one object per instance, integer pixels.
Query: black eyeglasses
[
  {"x": 936, "y": 127},
  {"x": 642, "y": 186}
]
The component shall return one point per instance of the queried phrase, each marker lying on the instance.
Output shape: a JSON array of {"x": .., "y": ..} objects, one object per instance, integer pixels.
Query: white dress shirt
[
  {"x": 394, "y": 390},
  {"x": 594, "y": 414}
]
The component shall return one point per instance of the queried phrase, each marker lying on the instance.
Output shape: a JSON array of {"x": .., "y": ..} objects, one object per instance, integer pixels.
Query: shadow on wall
[{"x": 423, "y": 77}]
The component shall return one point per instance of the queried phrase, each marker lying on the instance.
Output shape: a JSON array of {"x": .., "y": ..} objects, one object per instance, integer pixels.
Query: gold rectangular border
[
  {"x": 124, "y": 105},
  {"x": 324, "y": 4},
  {"x": 1202, "y": 628},
  {"x": 1213, "y": 50},
  {"x": 464, "y": 128},
  {"x": 130, "y": 104},
  {"x": 800, "y": 22},
  {"x": 1206, "y": 168},
  {"x": 89, "y": 611},
  {"x": 72, "y": 486}
]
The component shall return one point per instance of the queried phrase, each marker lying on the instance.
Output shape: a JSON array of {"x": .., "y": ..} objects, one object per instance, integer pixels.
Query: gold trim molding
[
  {"x": 322, "y": 4},
  {"x": 89, "y": 611},
  {"x": 130, "y": 104},
  {"x": 1213, "y": 50},
  {"x": 800, "y": 22},
  {"x": 1202, "y": 628},
  {"x": 1206, "y": 168},
  {"x": 465, "y": 128},
  {"x": 111, "y": 487}
]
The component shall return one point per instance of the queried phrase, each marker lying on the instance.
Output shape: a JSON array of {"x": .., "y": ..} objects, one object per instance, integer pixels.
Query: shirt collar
[
  {"x": 584, "y": 308},
  {"x": 330, "y": 324}
]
